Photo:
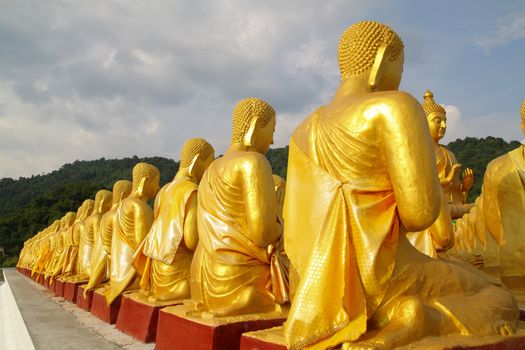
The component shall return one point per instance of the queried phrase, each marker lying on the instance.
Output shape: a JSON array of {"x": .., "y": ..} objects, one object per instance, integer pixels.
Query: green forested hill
[
  {"x": 477, "y": 153},
  {"x": 28, "y": 205}
]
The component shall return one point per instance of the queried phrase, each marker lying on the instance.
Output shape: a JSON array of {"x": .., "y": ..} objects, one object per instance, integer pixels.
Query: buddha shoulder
[
  {"x": 247, "y": 162},
  {"x": 393, "y": 104}
]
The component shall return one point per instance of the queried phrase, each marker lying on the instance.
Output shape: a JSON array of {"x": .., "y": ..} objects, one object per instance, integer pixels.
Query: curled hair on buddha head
[
  {"x": 193, "y": 147},
  {"x": 359, "y": 46},
  {"x": 429, "y": 105},
  {"x": 245, "y": 112},
  {"x": 144, "y": 170},
  {"x": 121, "y": 189}
]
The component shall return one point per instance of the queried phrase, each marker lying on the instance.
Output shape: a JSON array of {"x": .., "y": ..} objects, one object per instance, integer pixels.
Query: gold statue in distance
[
  {"x": 100, "y": 262},
  {"x": 358, "y": 179},
  {"x": 90, "y": 233},
  {"x": 237, "y": 222},
  {"x": 73, "y": 239},
  {"x": 132, "y": 222},
  {"x": 173, "y": 236}
]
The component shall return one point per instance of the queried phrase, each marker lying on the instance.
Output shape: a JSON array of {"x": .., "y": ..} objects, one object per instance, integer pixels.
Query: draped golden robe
[
  {"x": 72, "y": 242},
  {"x": 169, "y": 260},
  {"x": 132, "y": 223},
  {"x": 100, "y": 258},
  {"x": 344, "y": 236},
  {"x": 504, "y": 209},
  {"x": 85, "y": 247},
  {"x": 227, "y": 265}
]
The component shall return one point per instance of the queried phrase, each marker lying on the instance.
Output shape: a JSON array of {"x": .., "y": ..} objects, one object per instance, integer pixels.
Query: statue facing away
[
  {"x": 73, "y": 238},
  {"x": 100, "y": 263},
  {"x": 132, "y": 222},
  {"x": 173, "y": 237},
  {"x": 361, "y": 173},
  {"x": 231, "y": 272},
  {"x": 90, "y": 232}
]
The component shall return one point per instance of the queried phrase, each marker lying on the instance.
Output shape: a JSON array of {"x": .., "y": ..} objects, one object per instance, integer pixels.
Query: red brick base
[
  {"x": 177, "y": 331},
  {"x": 139, "y": 318},
  {"x": 84, "y": 303},
  {"x": 59, "y": 287},
  {"x": 70, "y": 291},
  {"x": 99, "y": 308}
]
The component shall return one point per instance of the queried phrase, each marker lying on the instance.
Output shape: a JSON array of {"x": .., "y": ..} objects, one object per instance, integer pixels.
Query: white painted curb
[{"x": 13, "y": 331}]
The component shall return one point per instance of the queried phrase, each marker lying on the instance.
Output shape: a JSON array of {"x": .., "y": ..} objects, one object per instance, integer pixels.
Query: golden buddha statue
[
  {"x": 61, "y": 253},
  {"x": 100, "y": 259},
  {"x": 173, "y": 236},
  {"x": 89, "y": 232},
  {"x": 133, "y": 220},
  {"x": 455, "y": 190},
  {"x": 73, "y": 238},
  {"x": 504, "y": 209},
  {"x": 361, "y": 173},
  {"x": 231, "y": 271}
]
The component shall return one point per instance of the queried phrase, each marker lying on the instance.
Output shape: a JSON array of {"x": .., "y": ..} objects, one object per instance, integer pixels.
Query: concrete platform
[{"x": 54, "y": 324}]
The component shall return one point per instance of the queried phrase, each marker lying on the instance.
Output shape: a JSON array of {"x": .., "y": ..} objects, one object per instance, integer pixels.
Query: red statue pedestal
[
  {"x": 46, "y": 282},
  {"x": 70, "y": 291},
  {"x": 177, "y": 330},
  {"x": 59, "y": 287},
  {"x": 138, "y": 317},
  {"x": 105, "y": 312},
  {"x": 268, "y": 339},
  {"x": 84, "y": 303}
]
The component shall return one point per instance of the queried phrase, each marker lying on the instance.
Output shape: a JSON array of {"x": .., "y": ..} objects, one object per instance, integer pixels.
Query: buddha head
[
  {"x": 103, "y": 201},
  {"x": 196, "y": 155},
  {"x": 522, "y": 110},
  {"x": 89, "y": 206},
  {"x": 69, "y": 218},
  {"x": 146, "y": 179},
  {"x": 253, "y": 124},
  {"x": 121, "y": 189},
  {"x": 436, "y": 117},
  {"x": 372, "y": 52}
]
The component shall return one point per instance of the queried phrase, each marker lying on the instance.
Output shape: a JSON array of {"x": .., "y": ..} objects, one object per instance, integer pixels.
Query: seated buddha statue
[
  {"x": 361, "y": 173},
  {"x": 456, "y": 191},
  {"x": 503, "y": 206},
  {"x": 173, "y": 237},
  {"x": 89, "y": 232},
  {"x": 133, "y": 220},
  {"x": 60, "y": 253},
  {"x": 237, "y": 221},
  {"x": 73, "y": 239},
  {"x": 100, "y": 259}
]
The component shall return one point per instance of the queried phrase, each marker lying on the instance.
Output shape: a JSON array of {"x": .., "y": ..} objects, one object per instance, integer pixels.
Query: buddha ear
[
  {"x": 378, "y": 68},
  {"x": 191, "y": 167},
  {"x": 140, "y": 189},
  {"x": 248, "y": 138}
]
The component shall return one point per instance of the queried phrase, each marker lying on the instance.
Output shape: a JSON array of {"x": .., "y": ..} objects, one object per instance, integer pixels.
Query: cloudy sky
[{"x": 90, "y": 79}]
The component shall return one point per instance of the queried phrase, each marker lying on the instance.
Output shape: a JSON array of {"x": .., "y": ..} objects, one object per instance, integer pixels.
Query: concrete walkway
[{"x": 54, "y": 323}]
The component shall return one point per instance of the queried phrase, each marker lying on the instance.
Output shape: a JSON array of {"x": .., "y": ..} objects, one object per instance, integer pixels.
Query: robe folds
[
  {"x": 169, "y": 260},
  {"x": 226, "y": 262},
  {"x": 344, "y": 236}
]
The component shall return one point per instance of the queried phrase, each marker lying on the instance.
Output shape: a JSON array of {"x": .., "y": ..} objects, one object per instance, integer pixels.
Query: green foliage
[
  {"x": 28, "y": 205},
  {"x": 476, "y": 154}
]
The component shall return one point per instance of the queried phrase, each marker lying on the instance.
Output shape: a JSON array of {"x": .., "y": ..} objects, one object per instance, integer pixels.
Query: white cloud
[{"x": 510, "y": 28}]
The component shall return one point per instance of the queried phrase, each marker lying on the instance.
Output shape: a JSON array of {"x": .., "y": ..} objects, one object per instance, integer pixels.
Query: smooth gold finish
[
  {"x": 173, "y": 236},
  {"x": 133, "y": 220},
  {"x": 236, "y": 262},
  {"x": 361, "y": 173},
  {"x": 100, "y": 259}
]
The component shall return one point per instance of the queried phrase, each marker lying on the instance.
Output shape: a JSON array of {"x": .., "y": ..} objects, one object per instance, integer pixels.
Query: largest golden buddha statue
[
  {"x": 231, "y": 271},
  {"x": 362, "y": 173},
  {"x": 132, "y": 222},
  {"x": 173, "y": 237}
]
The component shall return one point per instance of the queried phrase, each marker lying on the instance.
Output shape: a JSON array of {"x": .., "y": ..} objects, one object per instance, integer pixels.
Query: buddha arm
[
  {"x": 259, "y": 199},
  {"x": 410, "y": 162},
  {"x": 191, "y": 236}
]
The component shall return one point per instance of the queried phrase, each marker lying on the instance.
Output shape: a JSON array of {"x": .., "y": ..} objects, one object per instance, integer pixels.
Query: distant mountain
[{"x": 28, "y": 205}]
